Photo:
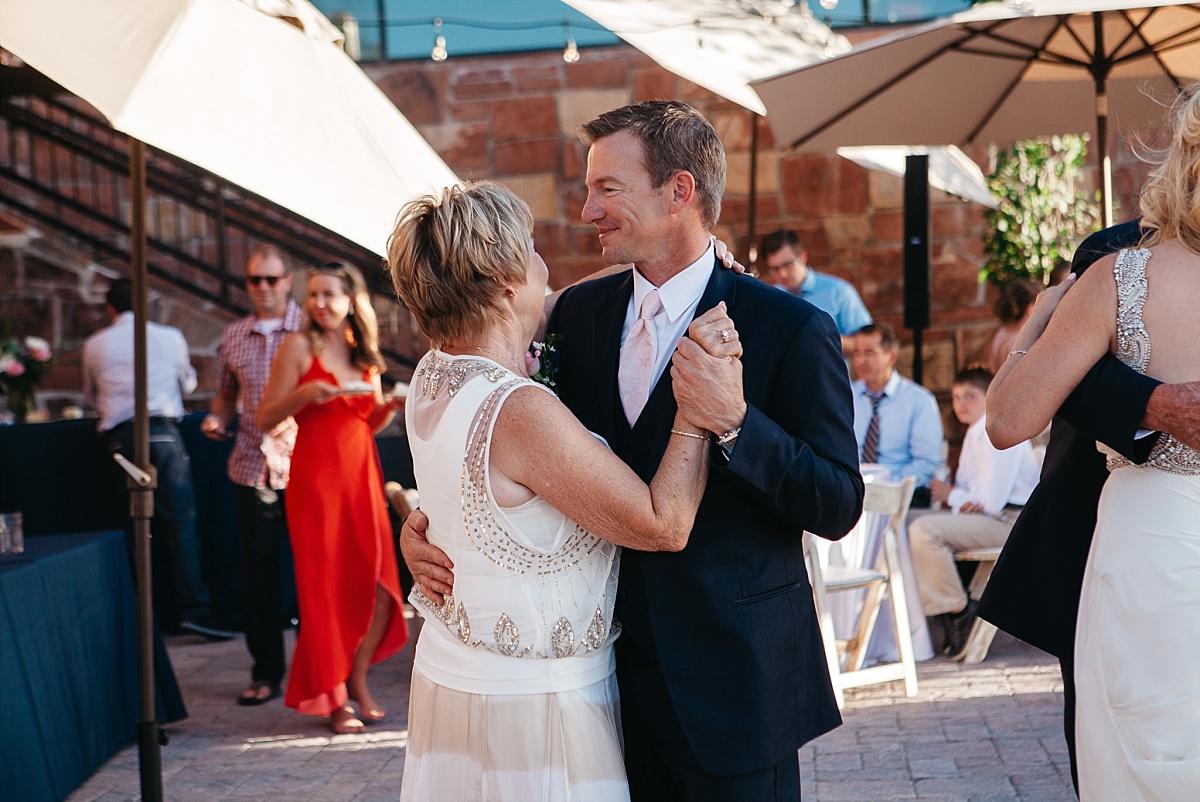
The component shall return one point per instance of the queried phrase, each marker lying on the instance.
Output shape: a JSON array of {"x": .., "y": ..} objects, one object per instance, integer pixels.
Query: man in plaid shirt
[{"x": 258, "y": 465}]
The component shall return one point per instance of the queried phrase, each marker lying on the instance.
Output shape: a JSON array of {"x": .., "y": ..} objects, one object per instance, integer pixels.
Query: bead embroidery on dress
[
  {"x": 434, "y": 370},
  {"x": 1133, "y": 348},
  {"x": 488, "y": 535}
]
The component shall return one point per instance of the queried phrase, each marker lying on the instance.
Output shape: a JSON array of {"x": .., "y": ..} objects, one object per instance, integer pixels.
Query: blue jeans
[{"x": 174, "y": 524}]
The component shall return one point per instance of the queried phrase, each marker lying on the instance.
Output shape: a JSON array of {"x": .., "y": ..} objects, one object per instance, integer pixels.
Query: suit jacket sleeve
[
  {"x": 796, "y": 452},
  {"x": 1109, "y": 404}
]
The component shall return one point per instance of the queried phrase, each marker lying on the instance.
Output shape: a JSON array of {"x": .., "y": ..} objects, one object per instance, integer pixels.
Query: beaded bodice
[
  {"x": 1133, "y": 348},
  {"x": 529, "y": 582}
]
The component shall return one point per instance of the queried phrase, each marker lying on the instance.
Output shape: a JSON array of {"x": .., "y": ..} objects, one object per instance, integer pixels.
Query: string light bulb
[
  {"x": 439, "y": 42},
  {"x": 829, "y": 5},
  {"x": 570, "y": 52}
]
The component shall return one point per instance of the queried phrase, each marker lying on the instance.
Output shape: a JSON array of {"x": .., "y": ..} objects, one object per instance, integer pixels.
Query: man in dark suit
[
  {"x": 1033, "y": 592},
  {"x": 720, "y": 665}
]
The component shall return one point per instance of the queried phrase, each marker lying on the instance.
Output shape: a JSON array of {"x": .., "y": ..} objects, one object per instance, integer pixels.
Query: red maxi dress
[{"x": 341, "y": 544}]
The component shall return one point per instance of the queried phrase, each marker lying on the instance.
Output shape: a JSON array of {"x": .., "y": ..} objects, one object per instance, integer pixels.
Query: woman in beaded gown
[
  {"x": 514, "y": 692},
  {"x": 1137, "y": 644},
  {"x": 347, "y": 576}
]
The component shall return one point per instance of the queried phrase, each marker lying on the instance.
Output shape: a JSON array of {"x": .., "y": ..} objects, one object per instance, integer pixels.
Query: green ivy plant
[{"x": 1042, "y": 210}]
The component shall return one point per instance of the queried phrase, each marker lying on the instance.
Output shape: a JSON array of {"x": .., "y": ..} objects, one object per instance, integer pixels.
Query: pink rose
[
  {"x": 38, "y": 348},
  {"x": 533, "y": 362},
  {"x": 12, "y": 367}
]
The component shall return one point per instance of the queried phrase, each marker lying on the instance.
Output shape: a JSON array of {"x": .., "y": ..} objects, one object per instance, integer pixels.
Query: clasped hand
[{"x": 706, "y": 373}]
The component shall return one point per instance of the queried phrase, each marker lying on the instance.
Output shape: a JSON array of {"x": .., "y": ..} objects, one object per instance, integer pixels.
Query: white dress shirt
[
  {"x": 108, "y": 371},
  {"x": 992, "y": 477},
  {"x": 679, "y": 295}
]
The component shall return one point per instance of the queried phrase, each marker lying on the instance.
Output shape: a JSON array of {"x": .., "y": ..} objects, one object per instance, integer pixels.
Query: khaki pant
[{"x": 934, "y": 538}]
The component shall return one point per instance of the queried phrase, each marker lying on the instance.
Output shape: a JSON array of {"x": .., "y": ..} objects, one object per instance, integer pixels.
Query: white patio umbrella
[
  {"x": 256, "y": 91},
  {"x": 996, "y": 73},
  {"x": 719, "y": 45},
  {"x": 232, "y": 87}
]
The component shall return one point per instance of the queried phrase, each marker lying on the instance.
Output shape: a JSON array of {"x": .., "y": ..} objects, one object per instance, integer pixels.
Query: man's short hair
[
  {"x": 674, "y": 137},
  {"x": 268, "y": 250},
  {"x": 977, "y": 376},
  {"x": 888, "y": 338},
  {"x": 120, "y": 295},
  {"x": 775, "y": 242}
]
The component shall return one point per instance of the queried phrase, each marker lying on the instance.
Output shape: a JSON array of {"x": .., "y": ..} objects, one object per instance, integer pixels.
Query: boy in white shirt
[{"x": 990, "y": 488}]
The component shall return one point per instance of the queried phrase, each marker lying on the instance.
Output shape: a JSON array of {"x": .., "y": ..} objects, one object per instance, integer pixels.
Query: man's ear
[{"x": 683, "y": 190}]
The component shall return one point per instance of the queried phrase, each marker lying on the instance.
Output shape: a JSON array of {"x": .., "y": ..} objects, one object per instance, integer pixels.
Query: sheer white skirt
[{"x": 554, "y": 747}]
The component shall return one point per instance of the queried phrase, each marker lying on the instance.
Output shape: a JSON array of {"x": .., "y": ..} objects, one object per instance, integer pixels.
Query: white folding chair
[
  {"x": 885, "y": 579},
  {"x": 982, "y": 632}
]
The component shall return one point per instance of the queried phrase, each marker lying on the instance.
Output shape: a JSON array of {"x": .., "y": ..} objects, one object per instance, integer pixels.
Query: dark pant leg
[
  {"x": 262, "y": 528},
  {"x": 659, "y": 761},
  {"x": 174, "y": 524},
  {"x": 173, "y": 528},
  {"x": 1067, "y": 665}
]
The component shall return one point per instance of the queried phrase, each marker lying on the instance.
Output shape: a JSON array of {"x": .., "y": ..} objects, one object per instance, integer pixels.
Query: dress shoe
[{"x": 958, "y": 630}]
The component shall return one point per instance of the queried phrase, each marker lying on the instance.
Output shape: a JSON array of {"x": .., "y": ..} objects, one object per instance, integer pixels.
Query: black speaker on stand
[{"x": 916, "y": 254}]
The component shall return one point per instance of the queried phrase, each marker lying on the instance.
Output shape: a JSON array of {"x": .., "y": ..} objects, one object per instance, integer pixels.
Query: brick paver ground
[{"x": 982, "y": 733}]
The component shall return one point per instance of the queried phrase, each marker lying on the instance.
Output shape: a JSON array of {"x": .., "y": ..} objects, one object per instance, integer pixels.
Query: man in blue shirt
[
  {"x": 896, "y": 421},
  {"x": 786, "y": 266}
]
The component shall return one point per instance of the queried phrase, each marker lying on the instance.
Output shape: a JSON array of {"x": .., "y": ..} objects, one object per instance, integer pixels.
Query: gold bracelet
[
  {"x": 1016, "y": 353},
  {"x": 708, "y": 438}
]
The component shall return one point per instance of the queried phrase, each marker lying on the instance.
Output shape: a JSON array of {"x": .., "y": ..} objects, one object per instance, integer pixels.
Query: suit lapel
[{"x": 606, "y": 350}]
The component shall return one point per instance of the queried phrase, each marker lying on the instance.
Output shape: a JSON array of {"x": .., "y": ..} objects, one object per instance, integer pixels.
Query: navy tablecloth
[{"x": 69, "y": 663}]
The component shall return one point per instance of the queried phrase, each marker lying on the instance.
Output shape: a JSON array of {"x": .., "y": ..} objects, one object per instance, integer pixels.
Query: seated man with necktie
[{"x": 896, "y": 421}]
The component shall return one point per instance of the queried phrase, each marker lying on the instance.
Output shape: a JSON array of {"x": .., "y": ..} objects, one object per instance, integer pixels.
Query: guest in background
[
  {"x": 246, "y": 352},
  {"x": 347, "y": 579},
  {"x": 1012, "y": 308},
  {"x": 108, "y": 386},
  {"x": 988, "y": 493},
  {"x": 896, "y": 421},
  {"x": 786, "y": 265}
]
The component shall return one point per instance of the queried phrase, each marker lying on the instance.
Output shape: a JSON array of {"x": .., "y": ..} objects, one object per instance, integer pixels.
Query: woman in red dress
[{"x": 326, "y": 376}]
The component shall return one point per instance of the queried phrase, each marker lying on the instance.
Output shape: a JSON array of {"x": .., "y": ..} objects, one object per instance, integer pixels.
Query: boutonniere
[{"x": 541, "y": 361}]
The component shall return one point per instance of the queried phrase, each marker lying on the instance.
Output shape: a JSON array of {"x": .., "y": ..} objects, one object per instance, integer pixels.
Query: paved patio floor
[{"x": 983, "y": 733}]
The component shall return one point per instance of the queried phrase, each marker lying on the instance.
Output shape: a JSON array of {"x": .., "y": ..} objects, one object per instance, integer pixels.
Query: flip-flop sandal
[{"x": 257, "y": 698}]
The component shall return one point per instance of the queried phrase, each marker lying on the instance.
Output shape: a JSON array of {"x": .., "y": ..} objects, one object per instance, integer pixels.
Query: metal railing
[{"x": 65, "y": 169}]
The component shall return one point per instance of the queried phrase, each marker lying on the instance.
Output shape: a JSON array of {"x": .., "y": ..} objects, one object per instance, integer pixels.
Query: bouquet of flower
[
  {"x": 541, "y": 361},
  {"x": 23, "y": 362}
]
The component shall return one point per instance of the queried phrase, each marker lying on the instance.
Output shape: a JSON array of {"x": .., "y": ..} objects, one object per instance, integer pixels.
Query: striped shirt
[{"x": 245, "y": 363}]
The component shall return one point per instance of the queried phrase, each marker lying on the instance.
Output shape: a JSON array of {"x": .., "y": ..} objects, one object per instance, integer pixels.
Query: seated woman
[{"x": 514, "y": 693}]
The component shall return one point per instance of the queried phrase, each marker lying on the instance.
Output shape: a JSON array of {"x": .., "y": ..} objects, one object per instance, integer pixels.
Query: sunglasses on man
[{"x": 271, "y": 281}]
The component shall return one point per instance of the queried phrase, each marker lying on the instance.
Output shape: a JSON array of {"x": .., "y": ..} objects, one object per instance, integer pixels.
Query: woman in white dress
[
  {"x": 1137, "y": 648},
  {"x": 514, "y": 694}
]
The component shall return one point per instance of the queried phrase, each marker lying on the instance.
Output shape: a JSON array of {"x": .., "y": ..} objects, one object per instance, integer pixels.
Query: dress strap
[{"x": 1133, "y": 341}]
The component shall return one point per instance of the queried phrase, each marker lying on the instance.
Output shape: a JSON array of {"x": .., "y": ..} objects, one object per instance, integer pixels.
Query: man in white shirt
[
  {"x": 989, "y": 491},
  {"x": 108, "y": 386}
]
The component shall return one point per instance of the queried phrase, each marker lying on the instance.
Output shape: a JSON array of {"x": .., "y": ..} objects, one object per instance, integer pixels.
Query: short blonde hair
[
  {"x": 1170, "y": 202},
  {"x": 449, "y": 253}
]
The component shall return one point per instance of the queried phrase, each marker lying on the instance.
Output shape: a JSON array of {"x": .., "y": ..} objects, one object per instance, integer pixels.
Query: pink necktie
[{"x": 635, "y": 375}]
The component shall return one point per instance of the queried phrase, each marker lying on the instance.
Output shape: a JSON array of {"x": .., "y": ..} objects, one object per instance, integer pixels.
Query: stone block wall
[{"x": 513, "y": 118}]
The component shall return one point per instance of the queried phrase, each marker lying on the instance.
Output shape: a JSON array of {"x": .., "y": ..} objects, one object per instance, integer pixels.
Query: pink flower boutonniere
[{"x": 541, "y": 361}]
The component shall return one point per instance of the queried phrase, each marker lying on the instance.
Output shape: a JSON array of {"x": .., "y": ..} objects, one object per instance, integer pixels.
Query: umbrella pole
[
  {"x": 751, "y": 246},
  {"x": 1106, "y": 198},
  {"x": 1100, "y": 73},
  {"x": 142, "y": 492}
]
